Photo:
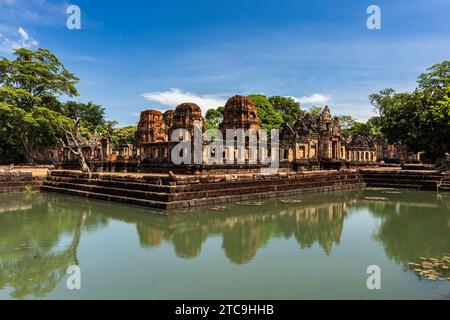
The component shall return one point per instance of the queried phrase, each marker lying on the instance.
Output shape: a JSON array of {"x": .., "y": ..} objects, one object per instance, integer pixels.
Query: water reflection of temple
[
  {"x": 410, "y": 227},
  {"x": 245, "y": 232}
]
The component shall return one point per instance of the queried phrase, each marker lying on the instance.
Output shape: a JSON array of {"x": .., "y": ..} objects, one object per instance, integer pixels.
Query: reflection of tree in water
[
  {"x": 323, "y": 224},
  {"x": 29, "y": 260},
  {"x": 412, "y": 227},
  {"x": 31, "y": 230}
]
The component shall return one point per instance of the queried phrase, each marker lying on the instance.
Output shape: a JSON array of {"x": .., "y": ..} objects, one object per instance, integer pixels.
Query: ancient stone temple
[
  {"x": 187, "y": 116},
  {"x": 330, "y": 137},
  {"x": 314, "y": 156},
  {"x": 310, "y": 142},
  {"x": 395, "y": 152},
  {"x": 240, "y": 113},
  {"x": 300, "y": 142},
  {"x": 361, "y": 148},
  {"x": 151, "y": 127},
  {"x": 96, "y": 150},
  {"x": 151, "y": 130}
]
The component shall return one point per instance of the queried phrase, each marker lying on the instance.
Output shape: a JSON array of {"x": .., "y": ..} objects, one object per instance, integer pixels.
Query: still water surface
[{"x": 319, "y": 248}]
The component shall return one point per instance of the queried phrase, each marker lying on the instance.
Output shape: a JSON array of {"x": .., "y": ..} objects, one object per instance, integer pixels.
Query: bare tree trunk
[{"x": 77, "y": 141}]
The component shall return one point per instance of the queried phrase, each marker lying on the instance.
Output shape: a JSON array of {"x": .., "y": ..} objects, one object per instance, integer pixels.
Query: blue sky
[{"x": 137, "y": 55}]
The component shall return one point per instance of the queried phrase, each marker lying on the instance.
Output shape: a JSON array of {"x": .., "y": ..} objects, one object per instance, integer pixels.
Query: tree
[
  {"x": 418, "y": 119},
  {"x": 30, "y": 86},
  {"x": 213, "y": 118},
  {"x": 92, "y": 115},
  {"x": 12, "y": 126},
  {"x": 360, "y": 128},
  {"x": 436, "y": 81},
  {"x": 441, "y": 116},
  {"x": 287, "y": 107},
  {"x": 268, "y": 116},
  {"x": 346, "y": 122},
  {"x": 382, "y": 100},
  {"x": 75, "y": 142},
  {"x": 33, "y": 77},
  {"x": 125, "y": 135},
  {"x": 23, "y": 132},
  {"x": 315, "y": 112}
]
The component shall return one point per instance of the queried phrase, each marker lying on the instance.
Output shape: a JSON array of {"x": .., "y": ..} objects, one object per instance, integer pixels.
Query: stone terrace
[{"x": 169, "y": 191}]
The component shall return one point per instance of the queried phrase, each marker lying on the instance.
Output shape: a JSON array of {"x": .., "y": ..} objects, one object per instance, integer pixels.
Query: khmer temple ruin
[
  {"x": 312, "y": 155},
  {"x": 309, "y": 144}
]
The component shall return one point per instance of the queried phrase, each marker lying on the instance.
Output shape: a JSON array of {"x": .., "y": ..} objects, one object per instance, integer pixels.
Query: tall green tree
[
  {"x": 346, "y": 122},
  {"x": 92, "y": 115},
  {"x": 23, "y": 132},
  {"x": 315, "y": 112},
  {"x": 34, "y": 77},
  {"x": 419, "y": 118},
  {"x": 435, "y": 81},
  {"x": 124, "y": 135},
  {"x": 382, "y": 100},
  {"x": 441, "y": 116},
  {"x": 268, "y": 116},
  {"x": 30, "y": 86},
  {"x": 287, "y": 107}
]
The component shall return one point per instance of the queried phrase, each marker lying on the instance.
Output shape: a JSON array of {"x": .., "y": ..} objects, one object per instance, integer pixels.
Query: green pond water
[{"x": 318, "y": 248}]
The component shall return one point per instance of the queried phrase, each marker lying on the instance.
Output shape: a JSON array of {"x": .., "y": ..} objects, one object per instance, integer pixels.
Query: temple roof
[{"x": 188, "y": 107}]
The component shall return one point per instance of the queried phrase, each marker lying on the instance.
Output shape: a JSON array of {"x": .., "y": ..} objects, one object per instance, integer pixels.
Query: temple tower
[
  {"x": 151, "y": 127},
  {"x": 187, "y": 116},
  {"x": 240, "y": 113}
]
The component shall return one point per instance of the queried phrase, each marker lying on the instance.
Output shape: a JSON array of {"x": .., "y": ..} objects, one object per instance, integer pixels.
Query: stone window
[{"x": 302, "y": 152}]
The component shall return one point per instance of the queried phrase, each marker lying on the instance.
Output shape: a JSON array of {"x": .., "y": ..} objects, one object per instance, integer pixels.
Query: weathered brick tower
[
  {"x": 240, "y": 113},
  {"x": 151, "y": 127}
]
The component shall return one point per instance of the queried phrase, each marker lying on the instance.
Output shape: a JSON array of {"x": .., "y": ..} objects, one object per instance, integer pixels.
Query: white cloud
[
  {"x": 23, "y": 34},
  {"x": 313, "y": 99},
  {"x": 174, "y": 97},
  {"x": 40, "y": 12},
  {"x": 8, "y": 43}
]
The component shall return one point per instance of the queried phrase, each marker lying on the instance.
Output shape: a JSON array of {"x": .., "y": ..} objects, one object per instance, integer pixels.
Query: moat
[{"x": 303, "y": 247}]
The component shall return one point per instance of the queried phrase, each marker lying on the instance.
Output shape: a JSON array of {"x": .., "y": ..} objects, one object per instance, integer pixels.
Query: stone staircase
[
  {"x": 18, "y": 181},
  {"x": 445, "y": 183},
  {"x": 421, "y": 180},
  {"x": 172, "y": 192}
]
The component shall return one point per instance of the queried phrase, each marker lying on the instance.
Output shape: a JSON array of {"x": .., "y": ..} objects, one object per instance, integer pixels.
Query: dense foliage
[
  {"x": 287, "y": 107},
  {"x": 213, "y": 118},
  {"x": 125, "y": 135},
  {"x": 419, "y": 119},
  {"x": 31, "y": 114},
  {"x": 268, "y": 116}
]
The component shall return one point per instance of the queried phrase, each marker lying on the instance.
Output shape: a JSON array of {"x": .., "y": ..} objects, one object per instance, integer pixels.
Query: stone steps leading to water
[
  {"x": 108, "y": 197},
  {"x": 18, "y": 181},
  {"x": 445, "y": 184},
  {"x": 402, "y": 179},
  {"x": 188, "y": 191}
]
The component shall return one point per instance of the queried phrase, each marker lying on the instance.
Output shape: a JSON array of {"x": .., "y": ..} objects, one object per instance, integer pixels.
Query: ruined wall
[{"x": 18, "y": 181}]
